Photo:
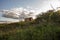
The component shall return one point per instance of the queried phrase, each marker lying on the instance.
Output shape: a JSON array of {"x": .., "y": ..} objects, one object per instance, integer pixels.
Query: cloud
[{"x": 18, "y": 13}]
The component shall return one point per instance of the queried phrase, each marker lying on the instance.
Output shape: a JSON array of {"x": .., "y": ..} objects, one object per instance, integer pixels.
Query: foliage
[{"x": 44, "y": 27}]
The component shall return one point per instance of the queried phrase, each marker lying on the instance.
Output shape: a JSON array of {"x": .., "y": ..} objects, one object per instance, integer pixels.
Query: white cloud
[{"x": 18, "y": 13}]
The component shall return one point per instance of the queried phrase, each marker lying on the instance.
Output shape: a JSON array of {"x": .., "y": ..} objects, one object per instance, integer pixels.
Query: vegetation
[{"x": 45, "y": 27}]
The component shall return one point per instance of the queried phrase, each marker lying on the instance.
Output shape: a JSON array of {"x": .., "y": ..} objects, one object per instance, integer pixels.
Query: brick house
[{"x": 29, "y": 19}]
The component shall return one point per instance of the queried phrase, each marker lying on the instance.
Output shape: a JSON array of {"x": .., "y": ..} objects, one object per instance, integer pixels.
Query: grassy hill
[{"x": 45, "y": 27}]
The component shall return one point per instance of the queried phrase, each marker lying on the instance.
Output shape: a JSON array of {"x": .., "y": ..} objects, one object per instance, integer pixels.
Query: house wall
[{"x": 28, "y": 19}]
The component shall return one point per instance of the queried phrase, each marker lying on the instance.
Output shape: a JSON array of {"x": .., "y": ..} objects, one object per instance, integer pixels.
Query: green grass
[{"x": 42, "y": 28}]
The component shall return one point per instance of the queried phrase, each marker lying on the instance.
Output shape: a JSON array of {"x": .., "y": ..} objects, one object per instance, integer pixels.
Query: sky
[{"x": 34, "y": 5}]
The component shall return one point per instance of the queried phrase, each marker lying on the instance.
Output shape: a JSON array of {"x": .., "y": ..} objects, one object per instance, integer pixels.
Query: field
[{"x": 45, "y": 27}]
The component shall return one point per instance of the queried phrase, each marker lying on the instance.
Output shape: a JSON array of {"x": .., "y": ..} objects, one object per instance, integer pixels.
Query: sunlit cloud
[{"x": 18, "y": 13}]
